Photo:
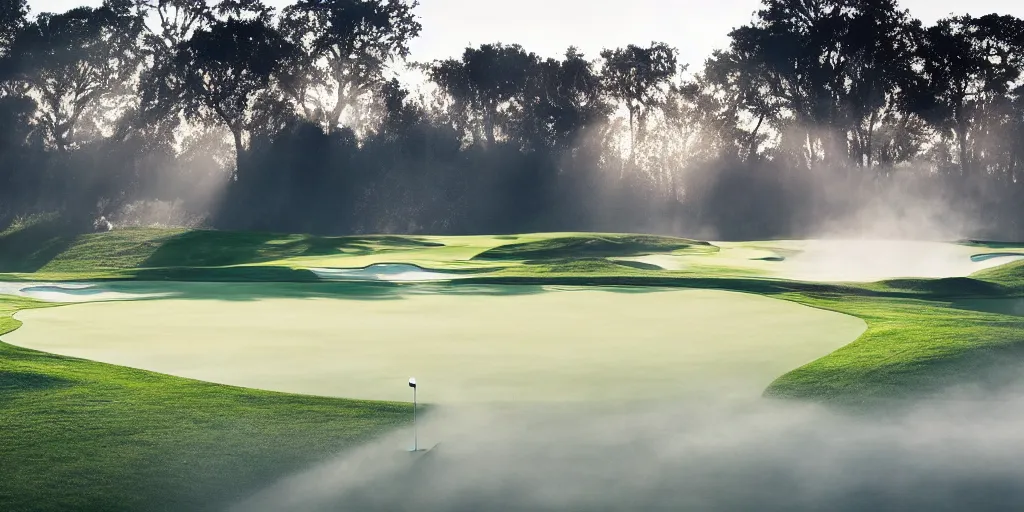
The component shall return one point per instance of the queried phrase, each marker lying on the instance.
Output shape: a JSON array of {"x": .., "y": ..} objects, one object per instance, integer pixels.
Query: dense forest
[{"x": 818, "y": 116}]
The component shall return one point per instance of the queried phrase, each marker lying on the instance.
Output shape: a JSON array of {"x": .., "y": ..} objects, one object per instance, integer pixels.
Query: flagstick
[{"x": 415, "y": 442}]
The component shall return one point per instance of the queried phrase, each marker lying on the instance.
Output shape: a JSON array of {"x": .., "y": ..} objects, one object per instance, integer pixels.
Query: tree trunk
[
  {"x": 489, "y": 126},
  {"x": 632, "y": 136},
  {"x": 961, "y": 138},
  {"x": 871, "y": 139},
  {"x": 753, "y": 138},
  {"x": 239, "y": 150}
]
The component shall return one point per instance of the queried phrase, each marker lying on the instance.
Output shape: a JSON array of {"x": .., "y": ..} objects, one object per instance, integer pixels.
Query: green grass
[
  {"x": 80, "y": 435},
  {"x": 89, "y": 436},
  {"x": 917, "y": 342},
  {"x": 49, "y": 247},
  {"x": 584, "y": 245},
  {"x": 470, "y": 343},
  {"x": 911, "y": 347},
  {"x": 1010, "y": 276}
]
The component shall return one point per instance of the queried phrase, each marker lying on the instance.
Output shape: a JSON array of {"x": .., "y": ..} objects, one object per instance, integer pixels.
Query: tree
[
  {"x": 880, "y": 77},
  {"x": 74, "y": 61},
  {"x": 342, "y": 48},
  {"x": 832, "y": 69},
  {"x": 13, "y": 16},
  {"x": 485, "y": 82},
  {"x": 565, "y": 98},
  {"x": 638, "y": 78},
  {"x": 161, "y": 88},
  {"x": 224, "y": 68},
  {"x": 969, "y": 63}
]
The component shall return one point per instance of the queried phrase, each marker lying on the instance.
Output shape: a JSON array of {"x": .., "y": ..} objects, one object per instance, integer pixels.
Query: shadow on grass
[
  {"x": 223, "y": 248},
  {"x": 11, "y": 381},
  {"x": 31, "y": 247},
  {"x": 244, "y": 288},
  {"x": 922, "y": 289},
  {"x": 584, "y": 246},
  {"x": 1012, "y": 306},
  {"x": 366, "y": 290},
  {"x": 331, "y": 290}
]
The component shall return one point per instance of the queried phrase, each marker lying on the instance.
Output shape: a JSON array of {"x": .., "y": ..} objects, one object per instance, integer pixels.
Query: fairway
[{"x": 501, "y": 344}]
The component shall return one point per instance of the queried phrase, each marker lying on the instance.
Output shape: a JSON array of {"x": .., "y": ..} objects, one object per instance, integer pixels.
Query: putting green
[{"x": 491, "y": 344}]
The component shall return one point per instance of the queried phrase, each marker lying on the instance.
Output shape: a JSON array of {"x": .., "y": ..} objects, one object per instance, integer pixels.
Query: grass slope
[
  {"x": 911, "y": 347},
  {"x": 80, "y": 435},
  {"x": 47, "y": 249},
  {"x": 581, "y": 246}
]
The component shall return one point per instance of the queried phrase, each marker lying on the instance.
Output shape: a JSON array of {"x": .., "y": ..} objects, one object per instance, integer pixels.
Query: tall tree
[
  {"x": 161, "y": 88},
  {"x": 565, "y": 99},
  {"x": 970, "y": 63},
  {"x": 73, "y": 61},
  {"x": 880, "y": 77},
  {"x": 831, "y": 69},
  {"x": 343, "y": 47},
  {"x": 638, "y": 77},
  {"x": 223, "y": 70},
  {"x": 13, "y": 18},
  {"x": 485, "y": 83}
]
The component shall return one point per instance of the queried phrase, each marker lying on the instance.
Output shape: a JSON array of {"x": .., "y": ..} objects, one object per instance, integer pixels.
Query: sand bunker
[
  {"x": 500, "y": 344},
  {"x": 661, "y": 261},
  {"x": 70, "y": 292},
  {"x": 394, "y": 272},
  {"x": 1009, "y": 256}
]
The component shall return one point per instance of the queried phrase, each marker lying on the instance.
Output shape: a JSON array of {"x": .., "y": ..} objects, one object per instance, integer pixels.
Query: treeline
[{"x": 818, "y": 114}]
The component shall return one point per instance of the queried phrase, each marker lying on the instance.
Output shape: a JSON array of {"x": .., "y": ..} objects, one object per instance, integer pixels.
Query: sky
[{"x": 549, "y": 27}]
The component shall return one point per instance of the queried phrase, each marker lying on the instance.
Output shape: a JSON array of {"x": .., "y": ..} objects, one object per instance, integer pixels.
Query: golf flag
[{"x": 412, "y": 382}]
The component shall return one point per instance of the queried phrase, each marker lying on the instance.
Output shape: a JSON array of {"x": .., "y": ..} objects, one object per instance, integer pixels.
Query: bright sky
[{"x": 548, "y": 27}]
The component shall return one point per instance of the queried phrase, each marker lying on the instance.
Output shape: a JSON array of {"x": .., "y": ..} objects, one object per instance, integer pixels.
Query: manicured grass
[
  {"x": 50, "y": 247},
  {"x": 581, "y": 246},
  {"x": 90, "y": 436},
  {"x": 917, "y": 341},
  {"x": 911, "y": 347},
  {"x": 477, "y": 344},
  {"x": 81, "y": 435},
  {"x": 1010, "y": 276}
]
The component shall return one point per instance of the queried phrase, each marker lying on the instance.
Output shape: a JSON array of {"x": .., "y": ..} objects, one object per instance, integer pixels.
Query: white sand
[
  {"x": 394, "y": 272},
  {"x": 69, "y": 292},
  {"x": 576, "y": 344}
]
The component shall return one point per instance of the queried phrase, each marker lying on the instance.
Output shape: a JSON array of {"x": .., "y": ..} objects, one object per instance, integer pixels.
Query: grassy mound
[
  {"x": 47, "y": 245},
  {"x": 1010, "y": 276},
  {"x": 79, "y": 435},
  {"x": 591, "y": 246},
  {"x": 946, "y": 287},
  {"x": 911, "y": 347},
  {"x": 223, "y": 248}
]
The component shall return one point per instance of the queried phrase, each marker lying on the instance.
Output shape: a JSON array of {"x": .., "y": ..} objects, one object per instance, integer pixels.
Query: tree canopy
[{"x": 312, "y": 118}]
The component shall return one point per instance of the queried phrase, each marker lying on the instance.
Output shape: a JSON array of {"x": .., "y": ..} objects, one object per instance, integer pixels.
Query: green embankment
[
  {"x": 80, "y": 435},
  {"x": 602, "y": 246},
  {"x": 46, "y": 249}
]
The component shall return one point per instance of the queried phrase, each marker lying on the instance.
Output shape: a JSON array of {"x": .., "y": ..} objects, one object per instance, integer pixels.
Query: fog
[{"x": 962, "y": 451}]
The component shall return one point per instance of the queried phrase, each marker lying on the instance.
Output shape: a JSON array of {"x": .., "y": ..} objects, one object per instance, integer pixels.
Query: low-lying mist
[{"x": 961, "y": 452}]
